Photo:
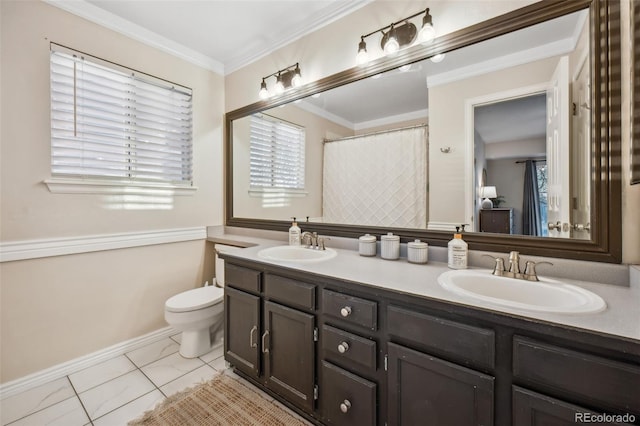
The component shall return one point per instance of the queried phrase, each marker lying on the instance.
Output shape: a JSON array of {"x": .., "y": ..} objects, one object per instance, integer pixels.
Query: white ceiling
[{"x": 223, "y": 34}]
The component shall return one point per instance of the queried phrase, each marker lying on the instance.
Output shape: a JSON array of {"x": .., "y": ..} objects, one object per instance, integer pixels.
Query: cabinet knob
[
  {"x": 344, "y": 407},
  {"x": 346, "y": 311},
  {"x": 343, "y": 347}
]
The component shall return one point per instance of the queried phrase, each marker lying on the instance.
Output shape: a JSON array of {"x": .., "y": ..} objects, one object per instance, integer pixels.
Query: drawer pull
[
  {"x": 344, "y": 407},
  {"x": 346, "y": 311},
  {"x": 343, "y": 347},
  {"x": 253, "y": 343}
]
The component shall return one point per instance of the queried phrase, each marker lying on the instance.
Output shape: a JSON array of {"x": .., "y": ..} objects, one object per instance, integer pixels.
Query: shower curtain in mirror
[
  {"x": 531, "y": 224},
  {"x": 378, "y": 179}
]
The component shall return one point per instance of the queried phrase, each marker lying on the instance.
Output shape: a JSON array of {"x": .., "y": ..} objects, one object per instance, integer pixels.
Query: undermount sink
[
  {"x": 546, "y": 295},
  {"x": 296, "y": 254}
]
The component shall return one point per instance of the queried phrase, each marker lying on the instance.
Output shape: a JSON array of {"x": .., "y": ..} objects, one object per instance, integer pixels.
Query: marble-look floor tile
[
  {"x": 216, "y": 352},
  {"x": 153, "y": 352},
  {"x": 130, "y": 411},
  {"x": 191, "y": 379},
  {"x": 108, "y": 396},
  {"x": 219, "y": 364},
  {"x": 36, "y": 399},
  {"x": 66, "y": 413},
  {"x": 98, "y": 374},
  {"x": 170, "y": 368}
]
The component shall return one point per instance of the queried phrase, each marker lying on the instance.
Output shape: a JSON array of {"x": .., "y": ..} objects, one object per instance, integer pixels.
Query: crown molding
[
  {"x": 291, "y": 34},
  {"x": 120, "y": 25}
]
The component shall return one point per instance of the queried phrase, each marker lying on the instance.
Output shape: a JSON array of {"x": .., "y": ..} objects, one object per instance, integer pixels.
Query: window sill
[
  {"x": 281, "y": 192},
  {"x": 85, "y": 186}
]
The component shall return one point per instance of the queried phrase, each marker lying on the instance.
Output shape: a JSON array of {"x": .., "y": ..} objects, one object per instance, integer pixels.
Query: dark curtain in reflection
[{"x": 531, "y": 224}]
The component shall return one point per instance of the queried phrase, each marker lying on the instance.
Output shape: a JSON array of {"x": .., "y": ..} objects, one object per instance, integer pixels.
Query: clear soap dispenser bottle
[
  {"x": 458, "y": 251},
  {"x": 294, "y": 233}
]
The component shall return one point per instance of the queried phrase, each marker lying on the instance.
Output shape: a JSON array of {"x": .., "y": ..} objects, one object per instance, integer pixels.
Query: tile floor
[{"x": 115, "y": 391}]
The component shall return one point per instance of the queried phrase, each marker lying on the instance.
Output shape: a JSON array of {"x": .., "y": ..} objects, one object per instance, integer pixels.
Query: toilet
[{"x": 198, "y": 314}]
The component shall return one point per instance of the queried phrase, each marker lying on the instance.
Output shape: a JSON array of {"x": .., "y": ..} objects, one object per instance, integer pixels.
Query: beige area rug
[{"x": 221, "y": 401}]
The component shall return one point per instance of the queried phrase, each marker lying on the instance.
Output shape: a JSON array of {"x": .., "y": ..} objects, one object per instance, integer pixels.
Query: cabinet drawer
[
  {"x": 595, "y": 380},
  {"x": 460, "y": 342},
  {"x": 290, "y": 292},
  {"x": 339, "y": 345},
  {"x": 242, "y": 278},
  {"x": 351, "y": 309},
  {"x": 347, "y": 399}
]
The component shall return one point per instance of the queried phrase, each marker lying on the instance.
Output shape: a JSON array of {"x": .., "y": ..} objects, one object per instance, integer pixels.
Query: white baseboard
[
  {"x": 33, "y": 249},
  {"x": 22, "y": 384}
]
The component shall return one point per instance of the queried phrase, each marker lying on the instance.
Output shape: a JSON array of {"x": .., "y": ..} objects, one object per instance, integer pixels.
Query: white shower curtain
[{"x": 377, "y": 179}]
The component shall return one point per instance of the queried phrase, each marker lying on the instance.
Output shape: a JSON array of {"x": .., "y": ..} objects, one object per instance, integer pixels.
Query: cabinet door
[
  {"x": 348, "y": 399},
  {"x": 242, "y": 330},
  {"x": 288, "y": 349},
  {"x": 426, "y": 390},
  {"x": 533, "y": 409}
]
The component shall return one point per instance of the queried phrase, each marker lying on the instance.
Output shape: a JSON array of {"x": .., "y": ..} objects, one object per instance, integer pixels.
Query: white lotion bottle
[
  {"x": 294, "y": 233},
  {"x": 458, "y": 251}
]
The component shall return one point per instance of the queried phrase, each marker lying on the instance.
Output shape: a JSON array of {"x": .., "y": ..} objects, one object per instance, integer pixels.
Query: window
[
  {"x": 276, "y": 155},
  {"x": 116, "y": 125}
]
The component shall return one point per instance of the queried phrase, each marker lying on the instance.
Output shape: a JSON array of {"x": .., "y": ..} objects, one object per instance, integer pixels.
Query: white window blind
[
  {"x": 276, "y": 153},
  {"x": 111, "y": 123}
]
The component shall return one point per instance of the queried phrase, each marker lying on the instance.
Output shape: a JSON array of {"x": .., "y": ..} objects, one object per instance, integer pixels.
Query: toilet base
[{"x": 199, "y": 342}]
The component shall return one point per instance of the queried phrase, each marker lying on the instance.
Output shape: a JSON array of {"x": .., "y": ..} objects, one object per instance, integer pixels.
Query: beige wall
[{"x": 59, "y": 308}]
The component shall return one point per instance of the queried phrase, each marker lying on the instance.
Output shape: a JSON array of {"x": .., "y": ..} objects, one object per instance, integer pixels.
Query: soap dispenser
[
  {"x": 294, "y": 233},
  {"x": 458, "y": 251}
]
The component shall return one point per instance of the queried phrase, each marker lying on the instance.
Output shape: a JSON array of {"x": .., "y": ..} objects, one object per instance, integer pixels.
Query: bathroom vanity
[{"x": 348, "y": 352}]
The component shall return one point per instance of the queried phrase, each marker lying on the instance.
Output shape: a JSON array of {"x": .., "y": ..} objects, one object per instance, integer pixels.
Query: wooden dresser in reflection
[{"x": 498, "y": 220}]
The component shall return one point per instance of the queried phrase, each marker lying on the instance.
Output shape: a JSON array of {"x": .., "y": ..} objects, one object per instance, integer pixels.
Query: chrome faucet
[
  {"x": 313, "y": 241},
  {"x": 309, "y": 239},
  {"x": 529, "y": 273}
]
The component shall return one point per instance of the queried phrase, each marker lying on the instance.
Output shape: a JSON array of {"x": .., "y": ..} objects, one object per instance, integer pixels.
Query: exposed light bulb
[
  {"x": 392, "y": 45},
  {"x": 405, "y": 68},
  {"x": 427, "y": 33},
  {"x": 264, "y": 93},
  {"x": 279, "y": 85},
  {"x": 437, "y": 58},
  {"x": 297, "y": 77},
  {"x": 362, "y": 57}
]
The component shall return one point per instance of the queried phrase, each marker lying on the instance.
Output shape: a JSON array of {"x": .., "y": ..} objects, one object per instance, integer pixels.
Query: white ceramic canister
[
  {"x": 390, "y": 246},
  {"x": 367, "y": 245},
  {"x": 417, "y": 252}
]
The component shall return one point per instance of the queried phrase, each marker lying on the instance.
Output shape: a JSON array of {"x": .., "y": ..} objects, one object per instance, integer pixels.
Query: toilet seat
[{"x": 197, "y": 298}]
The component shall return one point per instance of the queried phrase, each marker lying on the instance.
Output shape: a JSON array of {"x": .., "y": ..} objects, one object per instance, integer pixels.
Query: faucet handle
[
  {"x": 321, "y": 241},
  {"x": 498, "y": 267},
  {"x": 530, "y": 269}
]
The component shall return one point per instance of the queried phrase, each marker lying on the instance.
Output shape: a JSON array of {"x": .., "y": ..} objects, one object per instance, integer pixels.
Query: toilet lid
[{"x": 198, "y": 298}]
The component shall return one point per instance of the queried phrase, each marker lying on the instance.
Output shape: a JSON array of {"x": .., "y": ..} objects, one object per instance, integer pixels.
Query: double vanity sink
[{"x": 546, "y": 295}]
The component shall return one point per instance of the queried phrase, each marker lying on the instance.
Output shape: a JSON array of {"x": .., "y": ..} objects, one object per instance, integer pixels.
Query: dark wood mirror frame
[
  {"x": 635, "y": 93},
  {"x": 606, "y": 243}
]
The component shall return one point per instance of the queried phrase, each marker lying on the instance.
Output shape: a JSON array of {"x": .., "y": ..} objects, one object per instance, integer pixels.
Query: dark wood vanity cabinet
[
  {"x": 269, "y": 341},
  {"x": 347, "y": 354}
]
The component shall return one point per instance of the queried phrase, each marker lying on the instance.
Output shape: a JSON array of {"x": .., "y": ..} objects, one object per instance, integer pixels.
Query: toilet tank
[{"x": 222, "y": 248}]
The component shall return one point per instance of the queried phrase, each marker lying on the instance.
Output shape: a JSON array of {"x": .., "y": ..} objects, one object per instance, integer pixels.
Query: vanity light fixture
[
  {"x": 437, "y": 58},
  {"x": 400, "y": 34},
  {"x": 488, "y": 192},
  {"x": 286, "y": 78}
]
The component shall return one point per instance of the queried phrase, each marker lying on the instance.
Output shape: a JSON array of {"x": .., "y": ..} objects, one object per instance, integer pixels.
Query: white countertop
[{"x": 621, "y": 318}]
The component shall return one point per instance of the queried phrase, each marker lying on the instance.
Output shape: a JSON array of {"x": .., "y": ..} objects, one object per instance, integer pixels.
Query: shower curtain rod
[
  {"x": 535, "y": 161},
  {"x": 374, "y": 133}
]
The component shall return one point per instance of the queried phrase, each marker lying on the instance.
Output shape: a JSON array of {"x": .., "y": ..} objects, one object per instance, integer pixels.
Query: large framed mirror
[{"x": 521, "y": 117}]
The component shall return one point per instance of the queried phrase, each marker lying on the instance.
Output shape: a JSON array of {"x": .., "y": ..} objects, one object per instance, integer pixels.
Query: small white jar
[
  {"x": 390, "y": 246},
  {"x": 417, "y": 252},
  {"x": 367, "y": 245}
]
